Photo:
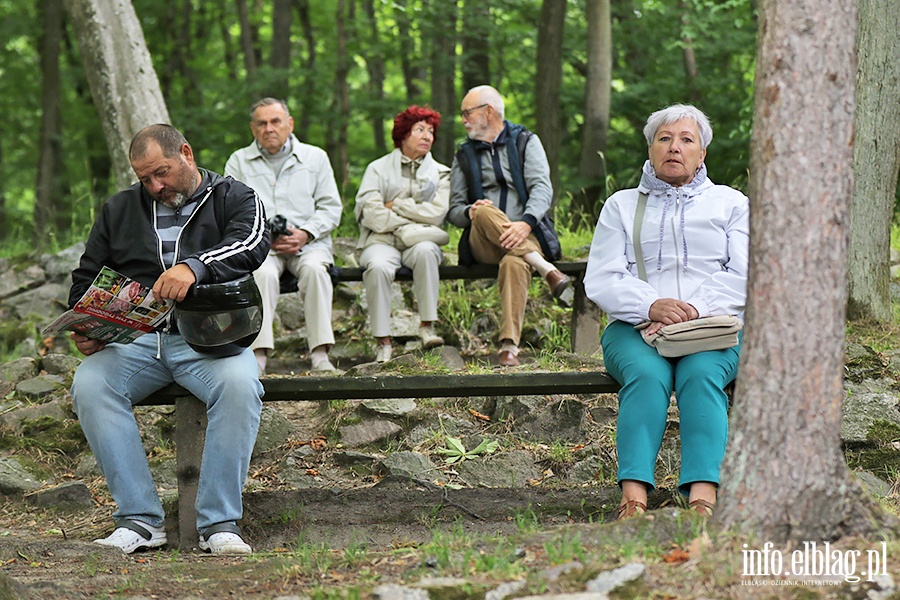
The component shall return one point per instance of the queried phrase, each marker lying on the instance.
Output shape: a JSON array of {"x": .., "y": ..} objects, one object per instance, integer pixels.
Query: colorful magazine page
[{"x": 114, "y": 309}]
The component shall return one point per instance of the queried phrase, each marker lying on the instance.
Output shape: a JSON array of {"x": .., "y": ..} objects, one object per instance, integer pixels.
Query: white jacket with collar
[
  {"x": 695, "y": 242},
  {"x": 304, "y": 192}
]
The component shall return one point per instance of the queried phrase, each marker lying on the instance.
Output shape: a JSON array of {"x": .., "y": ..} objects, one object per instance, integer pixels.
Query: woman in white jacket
[
  {"x": 400, "y": 207},
  {"x": 694, "y": 240}
]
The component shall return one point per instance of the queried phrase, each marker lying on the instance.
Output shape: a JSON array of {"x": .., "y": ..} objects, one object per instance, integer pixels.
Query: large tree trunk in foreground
[
  {"x": 784, "y": 474},
  {"x": 876, "y": 159},
  {"x": 120, "y": 74}
]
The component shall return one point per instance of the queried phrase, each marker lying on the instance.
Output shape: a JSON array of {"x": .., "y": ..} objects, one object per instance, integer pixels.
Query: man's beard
[{"x": 176, "y": 202}]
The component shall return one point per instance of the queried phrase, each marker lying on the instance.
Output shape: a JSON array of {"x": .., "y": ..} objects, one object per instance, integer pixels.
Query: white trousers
[
  {"x": 381, "y": 262},
  {"x": 314, "y": 284}
]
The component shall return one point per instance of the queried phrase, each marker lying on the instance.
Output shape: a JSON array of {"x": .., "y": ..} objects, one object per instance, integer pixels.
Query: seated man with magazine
[{"x": 178, "y": 229}]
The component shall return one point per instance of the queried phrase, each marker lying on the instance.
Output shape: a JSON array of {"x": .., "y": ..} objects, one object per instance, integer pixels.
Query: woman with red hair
[{"x": 400, "y": 207}]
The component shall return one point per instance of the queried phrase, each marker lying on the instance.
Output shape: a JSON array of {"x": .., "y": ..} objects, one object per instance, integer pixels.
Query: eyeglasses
[{"x": 465, "y": 113}]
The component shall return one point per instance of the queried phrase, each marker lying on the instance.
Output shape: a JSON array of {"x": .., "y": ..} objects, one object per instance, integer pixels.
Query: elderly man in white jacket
[{"x": 296, "y": 181}]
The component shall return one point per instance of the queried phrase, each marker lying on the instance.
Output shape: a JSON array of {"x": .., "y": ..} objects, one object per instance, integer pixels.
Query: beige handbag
[
  {"x": 411, "y": 234},
  {"x": 689, "y": 337},
  {"x": 696, "y": 335}
]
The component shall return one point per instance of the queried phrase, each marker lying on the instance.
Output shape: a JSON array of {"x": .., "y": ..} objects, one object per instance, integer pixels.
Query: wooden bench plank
[{"x": 418, "y": 386}]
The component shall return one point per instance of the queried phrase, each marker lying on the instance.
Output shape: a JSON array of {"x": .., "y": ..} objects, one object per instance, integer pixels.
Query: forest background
[{"x": 346, "y": 67}]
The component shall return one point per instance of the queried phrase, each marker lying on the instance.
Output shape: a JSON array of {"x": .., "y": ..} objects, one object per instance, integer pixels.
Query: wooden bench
[
  {"x": 190, "y": 413},
  {"x": 585, "y": 322}
]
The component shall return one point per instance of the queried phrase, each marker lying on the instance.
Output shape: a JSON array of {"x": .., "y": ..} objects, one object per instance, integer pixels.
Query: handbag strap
[{"x": 636, "y": 235}]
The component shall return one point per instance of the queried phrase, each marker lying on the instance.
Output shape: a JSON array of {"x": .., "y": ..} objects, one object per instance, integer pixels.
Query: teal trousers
[{"x": 647, "y": 381}]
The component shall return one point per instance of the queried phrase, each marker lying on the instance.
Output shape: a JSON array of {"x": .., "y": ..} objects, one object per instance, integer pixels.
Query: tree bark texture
[
  {"x": 375, "y": 66},
  {"x": 476, "y": 44},
  {"x": 548, "y": 80},
  {"x": 876, "y": 159},
  {"x": 120, "y": 75},
  {"x": 443, "y": 69},
  {"x": 51, "y": 188},
  {"x": 592, "y": 165},
  {"x": 281, "y": 48},
  {"x": 409, "y": 63},
  {"x": 248, "y": 40},
  {"x": 784, "y": 476},
  {"x": 340, "y": 158},
  {"x": 303, "y": 120}
]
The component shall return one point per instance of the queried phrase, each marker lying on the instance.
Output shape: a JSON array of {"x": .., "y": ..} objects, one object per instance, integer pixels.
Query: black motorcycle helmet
[{"x": 220, "y": 319}]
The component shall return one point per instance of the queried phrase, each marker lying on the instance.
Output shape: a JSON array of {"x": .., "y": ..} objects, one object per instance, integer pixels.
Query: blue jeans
[
  {"x": 647, "y": 381},
  {"x": 108, "y": 383}
]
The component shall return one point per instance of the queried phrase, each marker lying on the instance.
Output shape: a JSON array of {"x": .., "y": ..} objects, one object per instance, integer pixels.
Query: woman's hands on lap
[{"x": 667, "y": 311}]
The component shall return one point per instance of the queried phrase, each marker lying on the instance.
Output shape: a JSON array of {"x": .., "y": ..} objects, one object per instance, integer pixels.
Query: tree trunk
[
  {"x": 876, "y": 159},
  {"x": 548, "y": 81},
  {"x": 303, "y": 120},
  {"x": 50, "y": 213},
  {"x": 120, "y": 75},
  {"x": 442, "y": 25},
  {"x": 476, "y": 44},
  {"x": 248, "y": 37},
  {"x": 340, "y": 156},
  {"x": 784, "y": 474},
  {"x": 281, "y": 48},
  {"x": 375, "y": 67},
  {"x": 688, "y": 55},
  {"x": 592, "y": 166},
  {"x": 412, "y": 71}
]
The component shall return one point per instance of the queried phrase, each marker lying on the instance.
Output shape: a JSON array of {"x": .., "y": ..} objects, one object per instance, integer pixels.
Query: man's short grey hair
[
  {"x": 676, "y": 112},
  {"x": 490, "y": 96},
  {"x": 268, "y": 102}
]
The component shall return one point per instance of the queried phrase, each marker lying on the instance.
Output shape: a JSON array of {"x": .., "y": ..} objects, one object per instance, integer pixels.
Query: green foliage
[
  {"x": 456, "y": 450},
  {"x": 208, "y": 89}
]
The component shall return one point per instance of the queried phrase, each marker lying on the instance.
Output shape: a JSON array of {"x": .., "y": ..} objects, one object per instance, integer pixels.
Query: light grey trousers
[{"x": 381, "y": 262}]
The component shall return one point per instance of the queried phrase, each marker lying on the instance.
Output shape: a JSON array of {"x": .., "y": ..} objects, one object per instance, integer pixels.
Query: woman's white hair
[
  {"x": 676, "y": 112},
  {"x": 490, "y": 96}
]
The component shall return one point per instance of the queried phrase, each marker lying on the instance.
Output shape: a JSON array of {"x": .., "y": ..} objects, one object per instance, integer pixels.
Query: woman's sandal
[
  {"x": 702, "y": 507},
  {"x": 630, "y": 508}
]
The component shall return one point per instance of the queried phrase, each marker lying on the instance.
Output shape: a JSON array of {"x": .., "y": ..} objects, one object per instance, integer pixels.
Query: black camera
[{"x": 278, "y": 226}]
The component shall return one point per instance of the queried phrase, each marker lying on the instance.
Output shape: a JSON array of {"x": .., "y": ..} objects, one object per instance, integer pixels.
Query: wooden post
[
  {"x": 190, "y": 434},
  {"x": 585, "y": 322}
]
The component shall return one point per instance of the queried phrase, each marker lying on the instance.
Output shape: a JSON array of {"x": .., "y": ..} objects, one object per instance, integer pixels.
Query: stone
[
  {"x": 290, "y": 310},
  {"x": 60, "y": 364},
  {"x": 589, "y": 470},
  {"x": 450, "y": 357},
  {"x": 40, "y": 386},
  {"x": 350, "y": 458},
  {"x": 57, "y": 409},
  {"x": 504, "y": 590},
  {"x": 555, "y": 572},
  {"x": 58, "y": 267},
  {"x": 575, "y": 596},
  {"x": 390, "y": 407},
  {"x": 14, "y": 280},
  {"x": 874, "y": 485},
  {"x": 610, "y": 580},
  {"x": 14, "y": 479},
  {"x": 864, "y": 404},
  {"x": 861, "y": 363},
  {"x": 87, "y": 467},
  {"x": 370, "y": 432},
  {"x": 444, "y": 425},
  {"x": 536, "y": 419},
  {"x": 73, "y": 494},
  {"x": 504, "y": 470},
  {"x": 412, "y": 465},
  {"x": 274, "y": 430},
  {"x": 393, "y": 591},
  {"x": 47, "y": 301},
  {"x": 19, "y": 370}
]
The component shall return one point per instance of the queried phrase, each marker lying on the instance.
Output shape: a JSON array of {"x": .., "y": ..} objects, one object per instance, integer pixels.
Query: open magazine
[{"x": 114, "y": 309}]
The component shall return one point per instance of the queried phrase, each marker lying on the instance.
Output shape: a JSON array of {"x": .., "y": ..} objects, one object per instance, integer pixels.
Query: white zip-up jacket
[
  {"x": 695, "y": 242},
  {"x": 304, "y": 192}
]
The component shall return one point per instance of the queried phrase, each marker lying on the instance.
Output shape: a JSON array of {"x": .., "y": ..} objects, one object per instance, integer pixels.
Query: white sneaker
[
  {"x": 321, "y": 364},
  {"x": 383, "y": 352},
  {"x": 429, "y": 338},
  {"x": 225, "y": 542},
  {"x": 131, "y": 535}
]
